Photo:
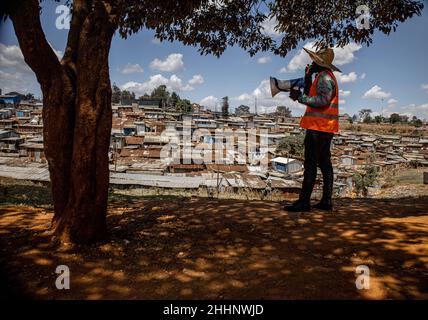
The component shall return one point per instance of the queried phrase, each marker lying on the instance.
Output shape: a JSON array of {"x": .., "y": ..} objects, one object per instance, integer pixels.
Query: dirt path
[{"x": 209, "y": 249}]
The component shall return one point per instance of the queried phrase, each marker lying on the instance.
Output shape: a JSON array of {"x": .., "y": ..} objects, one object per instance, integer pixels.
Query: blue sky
[{"x": 390, "y": 75}]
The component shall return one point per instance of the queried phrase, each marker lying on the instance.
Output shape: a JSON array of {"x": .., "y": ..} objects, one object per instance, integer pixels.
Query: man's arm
[{"x": 326, "y": 90}]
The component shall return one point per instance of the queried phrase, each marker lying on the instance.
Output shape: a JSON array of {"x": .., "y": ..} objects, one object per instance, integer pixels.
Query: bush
[
  {"x": 293, "y": 145},
  {"x": 364, "y": 181}
]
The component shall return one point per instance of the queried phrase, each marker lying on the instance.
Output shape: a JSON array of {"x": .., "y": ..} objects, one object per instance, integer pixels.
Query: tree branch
[
  {"x": 80, "y": 11},
  {"x": 37, "y": 52}
]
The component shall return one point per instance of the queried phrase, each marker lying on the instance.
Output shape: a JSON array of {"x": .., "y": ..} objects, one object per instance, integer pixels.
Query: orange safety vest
[{"x": 322, "y": 119}]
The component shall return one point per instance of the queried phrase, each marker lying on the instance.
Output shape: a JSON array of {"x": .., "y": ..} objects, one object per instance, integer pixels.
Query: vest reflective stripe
[
  {"x": 322, "y": 115},
  {"x": 322, "y": 119}
]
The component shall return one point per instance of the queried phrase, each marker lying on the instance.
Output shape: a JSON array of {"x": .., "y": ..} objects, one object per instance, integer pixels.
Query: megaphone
[{"x": 276, "y": 85}]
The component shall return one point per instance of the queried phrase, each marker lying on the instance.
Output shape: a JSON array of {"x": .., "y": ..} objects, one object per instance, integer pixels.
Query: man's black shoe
[
  {"x": 298, "y": 207},
  {"x": 324, "y": 206}
]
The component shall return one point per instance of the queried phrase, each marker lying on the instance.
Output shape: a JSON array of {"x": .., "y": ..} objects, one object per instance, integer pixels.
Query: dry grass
[{"x": 396, "y": 129}]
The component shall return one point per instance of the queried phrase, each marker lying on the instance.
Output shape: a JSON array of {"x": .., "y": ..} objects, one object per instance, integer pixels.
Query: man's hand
[
  {"x": 295, "y": 94},
  {"x": 311, "y": 69}
]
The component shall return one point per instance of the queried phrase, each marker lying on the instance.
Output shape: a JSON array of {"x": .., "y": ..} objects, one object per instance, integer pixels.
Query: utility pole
[
  {"x": 218, "y": 181},
  {"x": 255, "y": 105},
  {"x": 115, "y": 155}
]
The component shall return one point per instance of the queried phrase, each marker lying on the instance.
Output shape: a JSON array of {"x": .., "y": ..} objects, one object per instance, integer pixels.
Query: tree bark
[{"x": 76, "y": 115}]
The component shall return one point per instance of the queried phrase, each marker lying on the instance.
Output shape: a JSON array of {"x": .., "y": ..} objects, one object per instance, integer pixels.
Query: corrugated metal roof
[
  {"x": 234, "y": 180},
  {"x": 37, "y": 173},
  {"x": 156, "y": 180},
  {"x": 283, "y": 160},
  {"x": 254, "y": 181},
  {"x": 283, "y": 184},
  {"x": 25, "y": 173}
]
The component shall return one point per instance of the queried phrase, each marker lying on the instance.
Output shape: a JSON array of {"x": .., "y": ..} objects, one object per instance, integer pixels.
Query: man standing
[{"x": 321, "y": 121}]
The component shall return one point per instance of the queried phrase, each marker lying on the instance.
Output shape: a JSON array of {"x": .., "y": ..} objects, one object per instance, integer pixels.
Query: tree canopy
[
  {"x": 212, "y": 26},
  {"x": 225, "y": 107}
]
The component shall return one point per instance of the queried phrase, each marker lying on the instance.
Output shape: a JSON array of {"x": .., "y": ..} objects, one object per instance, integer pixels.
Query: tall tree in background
[
  {"x": 160, "y": 92},
  {"x": 365, "y": 115},
  {"x": 283, "y": 111},
  {"x": 292, "y": 146},
  {"x": 116, "y": 94},
  {"x": 378, "y": 119},
  {"x": 183, "y": 105},
  {"x": 242, "y": 110},
  {"x": 77, "y": 91},
  {"x": 127, "y": 97},
  {"x": 29, "y": 97},
  {"x": 225, "y": 107},
  {"x": 174, "y": 99},
  {"x": 394, "y": 118}
]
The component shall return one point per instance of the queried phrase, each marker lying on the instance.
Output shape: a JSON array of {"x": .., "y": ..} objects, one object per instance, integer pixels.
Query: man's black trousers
[{"x": 317, "y": 154}]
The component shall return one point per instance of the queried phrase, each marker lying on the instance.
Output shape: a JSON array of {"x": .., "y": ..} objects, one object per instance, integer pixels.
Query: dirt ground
[{"x": 193, "y": 248}]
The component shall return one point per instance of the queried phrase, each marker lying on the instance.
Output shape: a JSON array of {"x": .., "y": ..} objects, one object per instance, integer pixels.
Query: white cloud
[
  {"x": 132, "y": 68},
  {"x": 392, "y": 103},
  {"x": 346, "y": 54},
  {"x": 346, "y": 78},
  {"x": 424, "y": 87},
  {"x": 245, "y": 97},
  {"x": 343, "y": 56},
  {"x": 172, "y": 63},
  {"x": 173, "y": 83},
  {"x": 300, "y": 60},
  {"x": 265, "y": 102},
  {"x": 376, "y": 93},
  {"x": 420, "y": 110},
  {"x": 15, "y": 74},
  {"x": 268, "y": 27},
  {"x": 283, "y": 70},
  {"x": 11, "y": 57},
  {"x": 209, "y": 102},
  {"x": 344, "y": 93},
  {"x": 196, "y": 80},
  {"x": 264, "y": 59},
  {"x": 422, "y": 107},
  {"x": 22, "y": 82},
  {"x": 342, "y": 101},
  {"x": 362, "y": 76}
]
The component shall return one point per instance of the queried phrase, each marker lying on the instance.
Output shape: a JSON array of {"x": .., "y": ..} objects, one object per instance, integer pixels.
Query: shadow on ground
[{"x": 226, "y": 249}]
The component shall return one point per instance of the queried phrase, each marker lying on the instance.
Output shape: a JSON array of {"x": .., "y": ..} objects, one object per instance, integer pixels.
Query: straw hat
[{"x": 324, "y": 58}]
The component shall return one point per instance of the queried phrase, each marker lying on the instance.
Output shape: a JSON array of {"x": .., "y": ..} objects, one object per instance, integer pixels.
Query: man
[{"x": 321, "y": 121}]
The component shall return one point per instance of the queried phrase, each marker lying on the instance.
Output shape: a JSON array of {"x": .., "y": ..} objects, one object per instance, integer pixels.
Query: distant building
[
  {"x": 150, "y": 102},
  {"x": 12, "y": 99},
  {"x": 344, "y": 117},
  {"x": 286, "y": 165},
  {"x": 348, "y": 160}
]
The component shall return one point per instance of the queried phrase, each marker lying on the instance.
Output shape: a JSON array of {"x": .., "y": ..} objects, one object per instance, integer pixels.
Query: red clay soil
[{"x": 225, "y": 249}]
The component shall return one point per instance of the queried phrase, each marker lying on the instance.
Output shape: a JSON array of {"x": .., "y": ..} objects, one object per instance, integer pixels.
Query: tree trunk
[{"x": 76, "y": 115}]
